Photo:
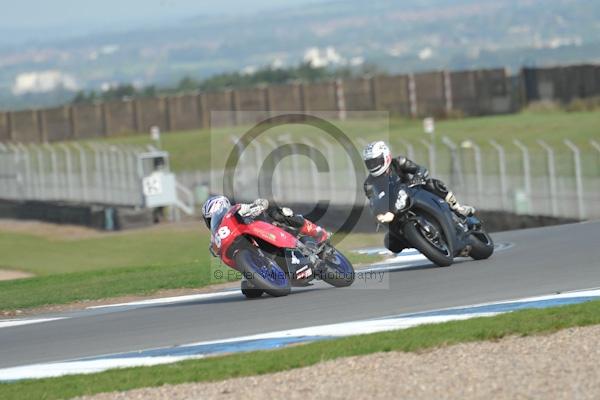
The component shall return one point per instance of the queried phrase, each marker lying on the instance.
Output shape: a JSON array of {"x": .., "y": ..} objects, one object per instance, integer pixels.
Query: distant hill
[{"x": 396, "y": 36}]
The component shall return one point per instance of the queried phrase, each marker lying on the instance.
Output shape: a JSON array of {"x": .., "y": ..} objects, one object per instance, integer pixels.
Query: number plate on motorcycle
[{"x": 298, "y": 264}]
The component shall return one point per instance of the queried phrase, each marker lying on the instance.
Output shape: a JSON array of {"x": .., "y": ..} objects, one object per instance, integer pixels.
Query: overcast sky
[{"x": 45, "y": 14}]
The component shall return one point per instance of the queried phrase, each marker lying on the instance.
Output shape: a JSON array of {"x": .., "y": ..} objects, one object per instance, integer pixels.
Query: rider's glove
[
  {"x": 255, "y": 209},
  {"x": 419, "y": 179},
  {"x": 261, "y": 203}
]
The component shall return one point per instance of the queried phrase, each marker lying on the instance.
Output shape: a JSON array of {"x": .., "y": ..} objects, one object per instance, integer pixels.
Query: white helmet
[{"x": 377, "y": 157}]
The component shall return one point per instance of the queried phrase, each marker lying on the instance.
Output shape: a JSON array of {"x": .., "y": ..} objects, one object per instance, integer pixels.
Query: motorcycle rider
[
  {"x": 378, "y": 160},
  {"x": 259, "y": 208}
]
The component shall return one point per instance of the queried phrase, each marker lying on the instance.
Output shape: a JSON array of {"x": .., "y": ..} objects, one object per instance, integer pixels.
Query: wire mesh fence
[
  {"x": 537, "y": 179},
  {"x": 91, "y": 173}
]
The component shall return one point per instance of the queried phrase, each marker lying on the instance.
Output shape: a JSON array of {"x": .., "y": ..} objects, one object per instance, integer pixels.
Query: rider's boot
[
  {"x": 314, "y": 230},
  {"x": 464, "y": 210}
]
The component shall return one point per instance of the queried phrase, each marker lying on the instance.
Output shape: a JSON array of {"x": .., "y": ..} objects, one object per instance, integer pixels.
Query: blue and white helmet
[{"x": 212, "y": 206}]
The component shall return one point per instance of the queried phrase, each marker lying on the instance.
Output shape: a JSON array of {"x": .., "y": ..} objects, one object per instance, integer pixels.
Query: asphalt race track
[{"x": 540, "y": 261}]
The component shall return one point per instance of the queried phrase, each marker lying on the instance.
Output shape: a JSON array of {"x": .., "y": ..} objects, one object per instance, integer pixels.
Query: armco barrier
[
  {"x": 438, "y": 93},
  {"x": 93, "y": 216}
]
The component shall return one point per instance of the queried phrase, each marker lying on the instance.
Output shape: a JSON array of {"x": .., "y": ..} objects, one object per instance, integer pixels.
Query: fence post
[
  {"x": 470, "y": 144},
  {"x": 69, "y": 170},
  {"x": 331, "y": 160},
  {"x": 552, "y": 173},
  {"x": 455, "y": 166},
  {"x": 595, "y": 145},
  {"x": 54, "y": 164},
  {"x": 448, "y": 92},
  {"x": 41, "y": 173},
  {"x": 412, "y": 95},
  {"x": 296, "y": 172},
  {"x": 526, "y": 168},
  {"x": 314, "y": 170},
  {"x": 3, "y": 182},
  {"x": 276, "y": 161},
  {"x": 111, "y": 165},
  {"x": 578, "y": 177},
  {"x": 410, "y": 150},
  {"x": 502, "y": 167},
  {"x": 14, "y": 166},
  {"x": 82, "y": 171},
  {"x": 99, "y": 182},
  {"x": 27, "y": 159},
  {"x": 340, "y": 98},
  {"x": 431, "y": 155},
  {"x": 122, "y": 175}
]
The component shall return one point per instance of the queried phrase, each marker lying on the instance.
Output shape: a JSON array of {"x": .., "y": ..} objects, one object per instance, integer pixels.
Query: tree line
[{"x": 304, "y": 72}]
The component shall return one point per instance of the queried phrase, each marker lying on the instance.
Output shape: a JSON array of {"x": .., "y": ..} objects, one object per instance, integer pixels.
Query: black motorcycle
[{"x": 418, "y": 218}]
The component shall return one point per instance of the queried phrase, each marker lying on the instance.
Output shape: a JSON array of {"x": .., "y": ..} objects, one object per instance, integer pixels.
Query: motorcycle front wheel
[
  {"x": 429, "y": 240},
  {"x": 482, "y": 245},
  {"x": 336, "y": 269}
]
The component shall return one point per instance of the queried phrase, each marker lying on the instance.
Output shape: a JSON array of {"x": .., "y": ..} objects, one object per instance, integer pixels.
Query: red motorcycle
[{"x": 271, "y": 259}]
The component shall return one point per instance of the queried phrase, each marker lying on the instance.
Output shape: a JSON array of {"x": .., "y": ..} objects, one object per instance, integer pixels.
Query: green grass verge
[
  {"x": 128, "y": 263},
  {"x": 93, "y": 285},
  {"x": 43, "y": 255},
  {"x": 191, "y": 150},
  {"x": 168, "y": 247},
  {"x": 526, "y": 322}
]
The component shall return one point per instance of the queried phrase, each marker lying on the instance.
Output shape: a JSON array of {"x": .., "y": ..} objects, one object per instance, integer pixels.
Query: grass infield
[
  {"x": 192, "y": 150},
  {"x": 122, "y": 264},
  {"x": 521, "y": 323}
]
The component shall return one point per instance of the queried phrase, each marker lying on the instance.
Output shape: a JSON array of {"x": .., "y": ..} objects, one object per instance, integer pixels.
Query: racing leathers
[
  {"x": 410, "y": 172},
  {"x": 283, "y": 216}
]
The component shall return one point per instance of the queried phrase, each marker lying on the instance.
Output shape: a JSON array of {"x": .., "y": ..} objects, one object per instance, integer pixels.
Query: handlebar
[{"x": 417, "y": 181}]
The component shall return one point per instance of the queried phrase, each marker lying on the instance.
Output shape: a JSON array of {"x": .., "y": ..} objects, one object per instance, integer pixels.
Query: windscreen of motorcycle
[{"x": 383, "y": 194}]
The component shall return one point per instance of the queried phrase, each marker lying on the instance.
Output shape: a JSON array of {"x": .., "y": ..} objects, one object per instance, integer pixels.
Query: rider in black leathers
[{"x": 378, "y": 159}]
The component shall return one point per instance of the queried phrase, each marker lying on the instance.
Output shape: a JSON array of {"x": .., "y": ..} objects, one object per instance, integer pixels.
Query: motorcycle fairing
[{"x": 298, "y": 265}]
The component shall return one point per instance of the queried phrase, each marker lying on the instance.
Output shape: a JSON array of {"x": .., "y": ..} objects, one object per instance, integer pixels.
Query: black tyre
[
  {"x": 432, "y": 245},
  {"x": 262, "y": 273},
  {"x": 250, "y": 292},
  {"x": 482, "y": 245},
  {"x": 394, "y": 243},
  {"x": 336, "y": 269}
]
